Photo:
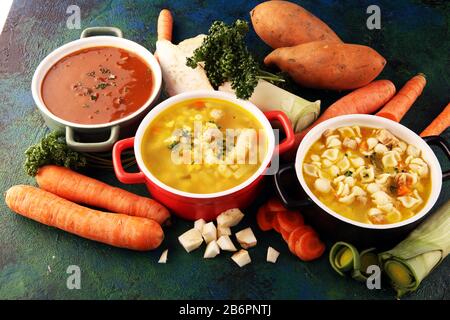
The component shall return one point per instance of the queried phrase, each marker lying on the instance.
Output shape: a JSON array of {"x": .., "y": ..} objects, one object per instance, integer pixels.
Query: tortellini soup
[{"x": 367, "y": 175}]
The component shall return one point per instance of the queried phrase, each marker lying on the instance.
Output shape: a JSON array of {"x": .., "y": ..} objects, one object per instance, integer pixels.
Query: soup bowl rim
[
  {"x": 365, "y": 120},
  {"x": 91, "y": 42},
  {"x": 250, "y": 107}
]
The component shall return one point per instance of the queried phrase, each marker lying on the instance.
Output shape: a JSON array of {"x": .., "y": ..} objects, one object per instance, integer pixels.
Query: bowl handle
[
  {"x": 443, "y": 145},
  {"x": 121, "y": 174},
  {"x": 281, "y": 189},
  {"x": 92, "y": 146},
  {"x": 101, "y": 31},
  {"x": 288, "y": 142}
]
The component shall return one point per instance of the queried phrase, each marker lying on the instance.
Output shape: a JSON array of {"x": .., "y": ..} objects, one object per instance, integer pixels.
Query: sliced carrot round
[
  {"x": 289, "y": 220},
  {"x": 309, "y": 246},
  {"x": 275, "y": 205},
  {"x": 264, "y": 218},
  {"x": 285, "y": 234},
  {"x": 295, "y": 235},
  {"x": 275, "y": 223}
]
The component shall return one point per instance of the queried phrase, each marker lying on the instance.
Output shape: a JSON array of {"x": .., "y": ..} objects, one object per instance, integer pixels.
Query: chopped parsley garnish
[
  {"x": 104, "y": 70},
  {"x": 94, "y": 97},
  {"x": 348, "y": 173},
  {"x": 173, "y": 145},
  {"x": 102, "y": 85}
]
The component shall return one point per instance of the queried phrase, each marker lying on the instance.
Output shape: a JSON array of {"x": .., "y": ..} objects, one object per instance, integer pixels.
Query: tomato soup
[{"x": 97, "y": 85}]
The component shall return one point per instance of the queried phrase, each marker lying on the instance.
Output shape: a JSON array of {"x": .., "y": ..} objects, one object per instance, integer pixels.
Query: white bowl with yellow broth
[
  {"x": 338, "y": 192},
  {"x": 375, "y": 173}
]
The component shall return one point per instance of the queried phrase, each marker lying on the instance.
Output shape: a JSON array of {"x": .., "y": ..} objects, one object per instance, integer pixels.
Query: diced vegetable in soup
[
  {"x": 204, "y": 146},
  {"x": 367, "y": 175}
]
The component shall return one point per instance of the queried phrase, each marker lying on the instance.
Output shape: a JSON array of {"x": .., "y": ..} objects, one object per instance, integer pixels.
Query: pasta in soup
[
  {"x": 367, "y": 175},
  {"x": 204, "y": 145}
]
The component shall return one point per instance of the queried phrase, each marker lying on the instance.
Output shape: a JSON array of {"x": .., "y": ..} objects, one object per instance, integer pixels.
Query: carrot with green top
[{"x": 397, "y": 107}]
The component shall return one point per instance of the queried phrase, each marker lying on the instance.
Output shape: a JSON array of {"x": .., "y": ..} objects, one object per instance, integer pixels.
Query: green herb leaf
[
  {"x": 102, "y": 85},
  {"x": 173, "y": 145},
  {"x": 226, "y": 58},
  {"x": 52, "y": 149},
  {"x": 348, "y": 173}
]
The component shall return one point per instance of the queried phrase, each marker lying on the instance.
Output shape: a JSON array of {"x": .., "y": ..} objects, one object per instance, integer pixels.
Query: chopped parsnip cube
[
  {"x": 246, "y": 238},
  {"x": 163, "y": 258},
  {"x": 212, "y": 250},
  {"x": 209, "y": 232},
  {"x": 191, "y": 239},
  {"x": 199, "y": 224},
  {"x": 272, "y": 255},
  {"x": 223, "y": 231},
  {"x": 230, "y": 218},
  {"x": 241, "y": 258},
  {"x": 226, "y": 244}
]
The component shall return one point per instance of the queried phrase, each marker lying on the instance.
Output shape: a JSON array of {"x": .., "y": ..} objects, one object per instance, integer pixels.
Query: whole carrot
[
  {"x": 439, "y": 124},
  {"x": 165, "y": 25},
  {"x": 78, "y": 188},
  {"x": 365, "y": 100},
  {"x": 118, "y": 230},
  {"x": 397, "y": 107}
]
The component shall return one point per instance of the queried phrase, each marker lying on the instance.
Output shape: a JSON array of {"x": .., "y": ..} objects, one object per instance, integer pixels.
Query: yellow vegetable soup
[
  {"x": 204, "y": 145},
  {"x": 367, "y": 175}
]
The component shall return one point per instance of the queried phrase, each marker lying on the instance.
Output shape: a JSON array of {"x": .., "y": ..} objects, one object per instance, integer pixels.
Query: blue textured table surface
[{"x": 34, "y": 258}]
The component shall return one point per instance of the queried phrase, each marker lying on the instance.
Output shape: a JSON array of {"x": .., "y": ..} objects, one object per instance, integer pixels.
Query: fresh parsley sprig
[{"x": 225, "y": 57}]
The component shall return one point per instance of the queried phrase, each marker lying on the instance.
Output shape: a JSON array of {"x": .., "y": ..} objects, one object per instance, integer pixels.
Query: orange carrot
[
  {"x": 285, "y": 234},
  {"x": 275, "y": 223},
  {"x": 397, "y": 107},
  {"x": 439, "y": 125},
  {"x": 365, "y": 100},
  {"x": 118, "y": 230},
  {"x": 264, "y": 218},
  {"x": 295, "y": 235},
  {"x": 309, "y": 246},
  {"x": 289, "y": 220},
  {"x": 403, "y": 190},
  {"x": 275, "y": 205},
  {"x": 78, "y": 188},
  {"x": 165, "y": 25}
]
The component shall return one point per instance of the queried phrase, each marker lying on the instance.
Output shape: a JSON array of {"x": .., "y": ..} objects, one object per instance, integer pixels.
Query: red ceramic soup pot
[{"x": 193, "y": 206}]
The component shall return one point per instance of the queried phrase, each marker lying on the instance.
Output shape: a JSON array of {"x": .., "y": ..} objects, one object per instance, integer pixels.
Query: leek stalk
[
  {"x": 415, "y": 257},
  {"x": 268, "y": 96}
]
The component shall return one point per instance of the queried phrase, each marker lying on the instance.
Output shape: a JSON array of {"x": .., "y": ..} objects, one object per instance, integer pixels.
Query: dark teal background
[{"x": 33, "y": 258}]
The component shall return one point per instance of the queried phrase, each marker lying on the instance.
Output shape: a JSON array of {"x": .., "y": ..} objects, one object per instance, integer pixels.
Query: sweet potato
[
  {"x": 334, "y": 66},
  {"x": 286, "y": 24}
]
